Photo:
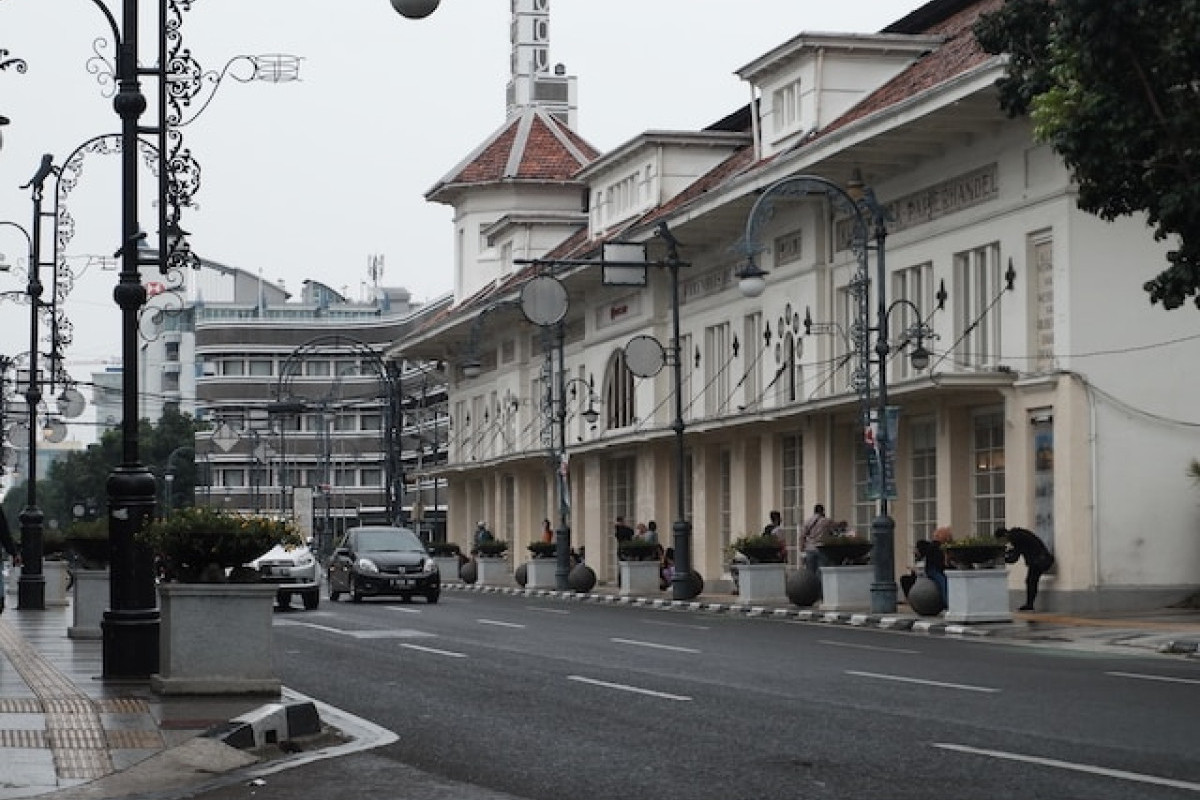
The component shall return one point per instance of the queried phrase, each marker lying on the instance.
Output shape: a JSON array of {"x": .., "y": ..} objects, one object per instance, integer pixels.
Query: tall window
[
  {"x": 988, "y": 463},
  {"x": 923, "y": 488},
  {"x": 716, "y": 370},
  {"x": 686, "y": 384},
  {"x": 620, "y": 402},
  {"x": 792, "y": 494},
  {"x": 977, "y": 285},
  {"x": 751, "y": 363},
  {"x": 786, "y": 106},
  {"x": 864, "y": 506},
  {"x": 915, "y": 285},
  {"x": 510, "y": 508},
  {"x": 621, "y": 499}
]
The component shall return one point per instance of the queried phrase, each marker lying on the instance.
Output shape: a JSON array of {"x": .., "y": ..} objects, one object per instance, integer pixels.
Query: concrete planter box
[
  {"x": 494, "y": 572},
  {"x": 762, "y": 583},
  {"x": 847, "y": 588},
  {"x": 639, "y": 578},
  {"x": 55, "y": 573},
  {"x": 448, "y": 567},
  {"x": 540, "y": 573},
  {"x": 215, "y": 639},
  {"x": 977, "y": 595},
  {"x": 90, "y": 597}
]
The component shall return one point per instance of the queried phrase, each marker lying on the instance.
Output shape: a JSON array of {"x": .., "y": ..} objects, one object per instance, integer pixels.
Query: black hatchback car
[{"x": 379, "y": 560}]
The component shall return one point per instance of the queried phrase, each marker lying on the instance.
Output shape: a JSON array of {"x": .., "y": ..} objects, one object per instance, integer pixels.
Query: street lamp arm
[{"x": 112, "y": 20}]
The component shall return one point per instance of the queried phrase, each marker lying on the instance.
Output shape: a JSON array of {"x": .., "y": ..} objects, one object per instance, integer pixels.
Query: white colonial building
[{"x": 1055, "y": 398}]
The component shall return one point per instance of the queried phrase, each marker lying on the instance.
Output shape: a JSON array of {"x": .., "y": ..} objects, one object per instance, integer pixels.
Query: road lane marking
[
  {"x": 655, "y": 645},
  {"x": 901, "y": 679},
  {"x": 1163, "y": 678},
  {"x": 1074, "y": 767},
  {"x": 547, "y": 610},
  {"x": 435, "y": 651},
  {"x": 403, "y": 610},
  {"x": 391, "y": 633},
  {"x": 627, "y": 688},
  {"x": 499, "y": 624},
  {"x": 855, "y": 646}
]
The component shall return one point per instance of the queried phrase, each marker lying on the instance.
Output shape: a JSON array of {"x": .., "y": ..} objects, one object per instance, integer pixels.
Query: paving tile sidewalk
[{"x": 64, "y": 731}]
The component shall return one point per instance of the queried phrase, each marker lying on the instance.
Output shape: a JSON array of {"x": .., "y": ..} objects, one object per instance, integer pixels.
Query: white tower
[{"x": 533, "y": 83}]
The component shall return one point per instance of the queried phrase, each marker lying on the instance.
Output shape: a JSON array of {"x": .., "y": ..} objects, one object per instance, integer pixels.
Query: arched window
[{"x": 620, "y": 404}]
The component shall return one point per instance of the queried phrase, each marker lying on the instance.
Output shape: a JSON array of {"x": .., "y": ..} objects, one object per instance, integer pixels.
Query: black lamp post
[{"x": 870, "y": 222}]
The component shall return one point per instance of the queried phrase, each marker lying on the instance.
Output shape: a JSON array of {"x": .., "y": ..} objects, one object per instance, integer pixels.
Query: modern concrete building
[{"x": 1053, "y": 396}]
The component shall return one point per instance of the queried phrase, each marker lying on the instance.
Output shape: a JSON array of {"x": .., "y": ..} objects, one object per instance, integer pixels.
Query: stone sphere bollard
[
  {"x": 695, "y": 586},
  {"x": 581, "y": 579},
  {"x": 803, "y": 587},
  {"x": 521, "y": 575},
  {"x": 924, "y": 597},
  {"x": 469, "y": 572}
]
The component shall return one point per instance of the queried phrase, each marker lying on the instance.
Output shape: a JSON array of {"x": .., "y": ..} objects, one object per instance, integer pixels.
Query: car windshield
[{"x": 385, "y": 539}]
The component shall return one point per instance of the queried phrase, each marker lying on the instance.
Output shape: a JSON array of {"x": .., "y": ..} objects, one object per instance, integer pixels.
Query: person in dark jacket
[
  {"x": 1025, "y": 544},
  {"x": 934, "y": 557},
  {"x": 10, "y": 547}
]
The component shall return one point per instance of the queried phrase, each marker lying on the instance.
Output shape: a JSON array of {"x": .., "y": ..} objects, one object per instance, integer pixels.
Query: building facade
[{"x": 1052, "y": 397}]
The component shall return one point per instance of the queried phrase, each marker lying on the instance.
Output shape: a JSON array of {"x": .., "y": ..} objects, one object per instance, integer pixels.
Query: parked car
[
  {"x": 294, "y": 570},
  {"x": 377, "y": 560}
]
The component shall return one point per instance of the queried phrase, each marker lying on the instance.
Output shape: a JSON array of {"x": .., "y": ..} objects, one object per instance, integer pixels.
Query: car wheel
[
  {"x": 283, "y": 600},
  {"x": 355, "y": 595},
  {"x": 311, "y": 599},
  {"x": 432, "y": 597}
]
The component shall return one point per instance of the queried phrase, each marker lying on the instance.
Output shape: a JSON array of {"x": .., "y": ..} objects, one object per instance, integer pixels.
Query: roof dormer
[{"x": 812, "y": 79}]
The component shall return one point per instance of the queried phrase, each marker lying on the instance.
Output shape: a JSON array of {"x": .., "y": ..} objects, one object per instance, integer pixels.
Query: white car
[{"x": 295, "y": 571}]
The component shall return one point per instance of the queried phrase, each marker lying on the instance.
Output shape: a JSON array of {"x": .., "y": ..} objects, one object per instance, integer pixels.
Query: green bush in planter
[
  {"x": 638, "y": 550},
  {"x": 841, "y": 549},
  {"x": 443, "y": 549},
  {"x": 493, "y": 548},
  {"x": 199, "y": 544},
  {"x": 87, "y": 543},
  {"x": 543, "y": 549},
  {"x": 760, "y": 549}
]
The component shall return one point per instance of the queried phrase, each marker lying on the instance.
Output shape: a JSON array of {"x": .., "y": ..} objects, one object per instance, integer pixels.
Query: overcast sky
[{"x": 310, "y": 179}]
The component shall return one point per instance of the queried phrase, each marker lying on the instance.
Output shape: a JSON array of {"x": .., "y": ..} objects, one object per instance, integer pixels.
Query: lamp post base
[
  {"x": 883, "y": 556},
  {"x": 130, "y": 644}
]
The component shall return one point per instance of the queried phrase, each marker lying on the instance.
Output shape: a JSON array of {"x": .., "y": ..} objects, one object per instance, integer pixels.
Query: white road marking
[
  {"x": 1163, "y": 678},
  {"x": 1069, "y": 765},
  {"x": 854, "y": 646},
  {"x": 547, "y": 610},
  {"x": 404, "y": 610},
  {"x": 655, "y": 645},
  {"x": 435, "y": 651},
  {"x": 900, "y": 679},
  {"x": 499, "y": 624},
  {"x": 626, "y": 688},
  {"x": 401, "y": 633}
]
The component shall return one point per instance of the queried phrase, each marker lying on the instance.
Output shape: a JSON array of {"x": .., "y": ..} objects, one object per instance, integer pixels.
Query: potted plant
[
  {"x": 491, "y": 564},
  {"x": 87, "y": 548},
  {"x": 638, "y": 550},
  {"x": 975, "y": 552},
  {"x": 448, "y": 557},
  {"x": 541, "y": 549},
  {"x": 763, "y": 579},
  {"x": 761, "y": 549},
  {"x": 203, "y": 551},
  {"x": 492, "y": 548},
  {"x": 844, "y": 549}
]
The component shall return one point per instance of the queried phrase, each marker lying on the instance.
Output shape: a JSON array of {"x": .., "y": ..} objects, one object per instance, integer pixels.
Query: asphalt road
[{"x": 497, "y": 696}]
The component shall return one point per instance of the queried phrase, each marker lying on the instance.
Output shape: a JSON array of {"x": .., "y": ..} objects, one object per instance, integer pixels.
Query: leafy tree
[
  {"x": 1114, "y": 87},
  {"x": 82, "y": 477}
]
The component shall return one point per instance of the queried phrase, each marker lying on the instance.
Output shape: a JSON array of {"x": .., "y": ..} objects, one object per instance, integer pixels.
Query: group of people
[
  {"x": 648, "y": 532},
  {"x": 1021, "y": 543}
]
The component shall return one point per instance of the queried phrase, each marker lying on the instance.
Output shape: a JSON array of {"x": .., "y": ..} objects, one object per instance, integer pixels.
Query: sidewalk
[{"x": 64, "y": 731}]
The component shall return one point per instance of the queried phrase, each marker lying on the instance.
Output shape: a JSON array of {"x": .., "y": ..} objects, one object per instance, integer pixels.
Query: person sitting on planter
[
  {"x": 666, "y": 569},
  {"x": 935, "y": 566},
  {"x": 482, "y": 534},
  {"x": 774, "y": 528},
  {"x": 547, "y": 532},
  {"x": 1025, "y": 544}
]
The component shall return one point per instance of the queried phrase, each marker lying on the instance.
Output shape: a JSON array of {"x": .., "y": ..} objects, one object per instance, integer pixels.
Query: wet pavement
[{"x": 67, "y": 734}]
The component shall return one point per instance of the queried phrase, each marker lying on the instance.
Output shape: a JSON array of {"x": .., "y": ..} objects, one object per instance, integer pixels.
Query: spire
[{"x": 533, "y": 83}]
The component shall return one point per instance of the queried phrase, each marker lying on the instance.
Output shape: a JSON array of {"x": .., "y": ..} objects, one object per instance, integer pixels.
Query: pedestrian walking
[{"x": 1023, "y": 543}]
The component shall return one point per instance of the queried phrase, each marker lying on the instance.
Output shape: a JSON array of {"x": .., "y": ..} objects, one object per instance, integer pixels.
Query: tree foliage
[
  {"x": 82, "y": 477},
  {"x": 1114, "y": 87}
]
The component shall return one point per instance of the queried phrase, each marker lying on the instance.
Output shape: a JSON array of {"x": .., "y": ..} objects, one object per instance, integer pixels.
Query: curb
[
  {"x": 853, "y": 618},
  {"x": 268, "y": 725}
]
